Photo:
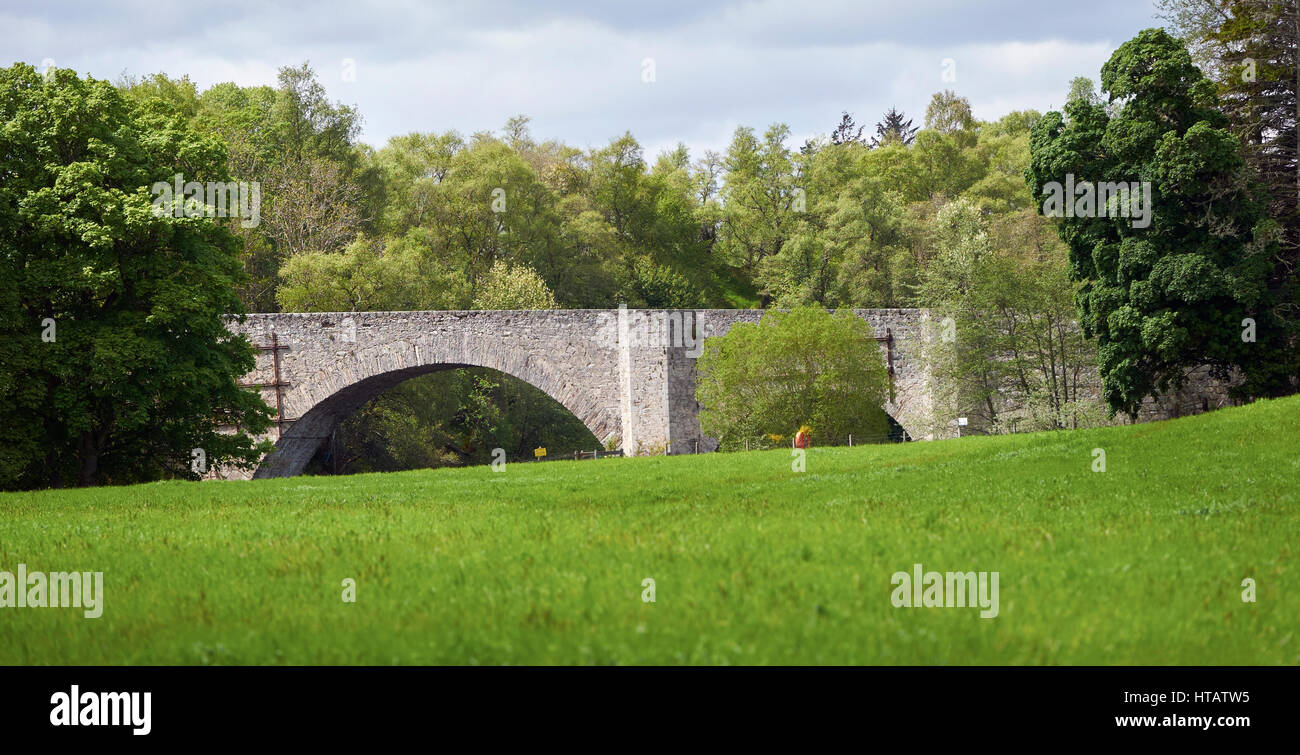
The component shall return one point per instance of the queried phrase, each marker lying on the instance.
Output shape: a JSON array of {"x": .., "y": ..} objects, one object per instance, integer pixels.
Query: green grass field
[{"x": 754, "y": 564}]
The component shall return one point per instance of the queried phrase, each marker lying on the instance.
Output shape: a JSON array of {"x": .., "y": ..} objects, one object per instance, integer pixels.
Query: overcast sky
[{"x": 666, "y": 70}]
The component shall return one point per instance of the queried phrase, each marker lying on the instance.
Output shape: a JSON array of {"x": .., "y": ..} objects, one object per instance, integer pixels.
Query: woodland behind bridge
[
  {"x": 934, "y": 214},
  {"x": 937, "y": 213}
]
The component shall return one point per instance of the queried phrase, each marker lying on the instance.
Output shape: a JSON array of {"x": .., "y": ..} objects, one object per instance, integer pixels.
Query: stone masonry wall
[{"x": 629, "y": 375}]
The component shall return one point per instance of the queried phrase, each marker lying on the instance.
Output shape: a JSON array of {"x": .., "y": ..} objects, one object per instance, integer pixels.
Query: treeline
[{"x": 441, "y": 220}]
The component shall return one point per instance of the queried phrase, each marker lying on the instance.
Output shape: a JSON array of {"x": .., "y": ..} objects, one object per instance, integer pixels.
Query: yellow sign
[{"x": 539, "y": 452}]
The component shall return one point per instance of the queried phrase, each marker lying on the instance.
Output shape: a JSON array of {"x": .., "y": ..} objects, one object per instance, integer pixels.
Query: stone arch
[{"x": 334, "y": 391}]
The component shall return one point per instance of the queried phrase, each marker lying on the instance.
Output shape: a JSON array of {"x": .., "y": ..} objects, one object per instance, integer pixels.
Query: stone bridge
[{"x": 629, "y": 375}]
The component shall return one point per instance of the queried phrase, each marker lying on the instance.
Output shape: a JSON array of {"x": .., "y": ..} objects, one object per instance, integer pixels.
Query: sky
[{"x": 668, "y": 71}]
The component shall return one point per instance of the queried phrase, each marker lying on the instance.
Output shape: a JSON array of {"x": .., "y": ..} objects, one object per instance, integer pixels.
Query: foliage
[
  {"x": 949, "y": 114},
  {"x": 315, "y": 209},
  {"x": 1009, "y": 354},
  {"x": 513, "y": 288},
  {"x": 894, "y": 128},
  {"x": 847, "y": 131},
  {"x": 1249, "y": 49},
  {"x": 1165, "y": 298},
  {"x": 804, "y": 366},
  {"x": 138, "y": 369},
  {"x": 368, "y": 276}
]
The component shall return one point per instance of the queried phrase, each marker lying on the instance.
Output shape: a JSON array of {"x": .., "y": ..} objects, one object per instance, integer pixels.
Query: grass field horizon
[{"x": 753, "y": 563}]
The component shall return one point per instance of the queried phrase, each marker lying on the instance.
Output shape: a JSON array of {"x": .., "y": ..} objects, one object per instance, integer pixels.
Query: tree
[
  {"x": 894, "y": 128},
  {"x": 180, "y": 94},
  {"x": 1082, "y": 89},
  {"x": 307, "y": 123},
  {"x": 1170, "y": 293},
  {"x": 943, "y": 164},
  {"x": 804, "y": 366},
  {"x": 411, "y": 168},
  {"x": 949, "y": 114},
  {"x": 1002, "y": 152},
  {"x": 518, "y": 287},
  {"x": 1016, "y": 358},
  {"x": 847, "y": 131},
  {"x": 489, "y": 206},
  {"x": 844, "y": 254},
  {"x": 705, "y": 184},
  {"x": 115, "y": 362},
  {"x": 1249, "y": 47},
  {"x": 370, "y": 275},
  {"x": 315, "y": 207},
  {"x": 316, "y": 194},
  {"x": 760, "y": 198},
  {"x": 243, "y": 119}
]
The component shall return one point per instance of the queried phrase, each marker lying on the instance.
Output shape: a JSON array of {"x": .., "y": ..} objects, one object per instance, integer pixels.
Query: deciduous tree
[
  {"x": 1171, "y": 296},
  {"x": 797, "y": 367},
  {"x": 115, "y": 362}
]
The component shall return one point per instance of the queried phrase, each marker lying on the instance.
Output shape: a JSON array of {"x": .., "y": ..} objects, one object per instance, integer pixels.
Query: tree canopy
[
  {"x": 792, "y": 368},
  {"x": 115, "y": 362},
  {"x": 1174, "y": 293}
]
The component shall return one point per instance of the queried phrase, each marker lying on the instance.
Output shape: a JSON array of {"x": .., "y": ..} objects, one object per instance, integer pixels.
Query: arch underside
[
  {"x": 899, "y": 416},
  {"x": 301, "y": 440}
]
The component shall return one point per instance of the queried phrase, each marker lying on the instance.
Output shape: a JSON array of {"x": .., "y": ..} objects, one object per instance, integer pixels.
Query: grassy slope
[{"x": 543, "y": 563}]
